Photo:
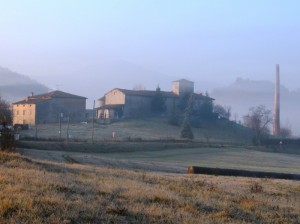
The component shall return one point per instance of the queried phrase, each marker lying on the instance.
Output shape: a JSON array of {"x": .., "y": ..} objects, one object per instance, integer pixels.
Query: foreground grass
[{"x": 43, "y": 192}]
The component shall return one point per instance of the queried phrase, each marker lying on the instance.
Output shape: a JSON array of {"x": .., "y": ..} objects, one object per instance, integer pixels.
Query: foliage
[
  {"x": 5, "y": 113},
  {"x": 174, "y": 116},
  {"x": 222, "y": 111},
  {"x": 6, "y": 139},
  {"x": 258, "y": 119},
  {"x": 186, "y": 131},
  {"x": 183, "y": 101},
  {"x": 7, "y": 136},
  {"x": 158, "y": 103},
  {"x": 206, "y": 110}
]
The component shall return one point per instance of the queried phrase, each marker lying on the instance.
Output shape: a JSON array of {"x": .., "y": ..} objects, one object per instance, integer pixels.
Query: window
[
  {"x": 17, "y": 112},
  {"x": 24, "y": 112}
]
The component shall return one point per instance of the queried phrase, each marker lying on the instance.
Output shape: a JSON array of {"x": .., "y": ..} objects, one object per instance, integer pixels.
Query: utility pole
[{"x": 93, "y": 122}]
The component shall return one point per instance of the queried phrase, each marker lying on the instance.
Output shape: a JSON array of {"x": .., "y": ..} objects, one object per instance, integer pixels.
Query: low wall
[{"x": 241, "y": 173}]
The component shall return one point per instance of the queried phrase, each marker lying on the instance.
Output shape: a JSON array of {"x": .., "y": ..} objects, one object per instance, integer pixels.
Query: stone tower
[
  {"x": 276, "y": 126},
  {"x": 182, "y": 86}
]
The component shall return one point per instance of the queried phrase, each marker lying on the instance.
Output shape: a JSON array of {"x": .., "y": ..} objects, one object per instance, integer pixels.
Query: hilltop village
[{"x": 116, "y": 104}]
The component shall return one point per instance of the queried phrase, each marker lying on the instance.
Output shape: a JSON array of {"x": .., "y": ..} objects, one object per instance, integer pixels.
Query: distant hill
[
  {"x": 14, "y": 86},
  {"x": 245, "y": 93}
]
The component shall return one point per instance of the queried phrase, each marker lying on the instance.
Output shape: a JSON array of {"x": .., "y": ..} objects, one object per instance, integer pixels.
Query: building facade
[
  {"x": 49, "y": 108},
  {"x": 119, "y": 103}
]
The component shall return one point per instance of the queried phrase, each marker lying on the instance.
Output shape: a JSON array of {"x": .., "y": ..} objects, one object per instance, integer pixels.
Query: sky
[{"x": 214, "y": 41}]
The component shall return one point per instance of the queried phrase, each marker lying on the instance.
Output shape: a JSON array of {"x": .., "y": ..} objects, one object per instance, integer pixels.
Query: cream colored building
[
  {"x": 119, "y": 103},
  {"x": 49, "y": 108}
]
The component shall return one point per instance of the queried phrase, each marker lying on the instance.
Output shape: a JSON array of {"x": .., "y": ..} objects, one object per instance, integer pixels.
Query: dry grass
[{"x": 32, "y": 191}]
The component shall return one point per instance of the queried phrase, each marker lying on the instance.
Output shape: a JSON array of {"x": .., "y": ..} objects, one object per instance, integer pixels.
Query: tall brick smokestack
[{"x": 276, "y": 126}]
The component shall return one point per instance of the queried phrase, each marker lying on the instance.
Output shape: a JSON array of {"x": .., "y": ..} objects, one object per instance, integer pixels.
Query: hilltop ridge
[{"x": 15, "y": 86}]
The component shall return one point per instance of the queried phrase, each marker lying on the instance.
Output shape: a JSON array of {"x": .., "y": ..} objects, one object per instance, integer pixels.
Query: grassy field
[
  {"x": 140, "y": 176},
  {"x": 176, "y": 159},
  {"x": 36, "y": 191},
  {"x": 142, "y": 129}
]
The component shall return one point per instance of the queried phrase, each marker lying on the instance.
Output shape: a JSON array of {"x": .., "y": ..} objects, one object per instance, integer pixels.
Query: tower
[
  {"x": 276, "y": 126},
  {"x": 182, "y": 86}
]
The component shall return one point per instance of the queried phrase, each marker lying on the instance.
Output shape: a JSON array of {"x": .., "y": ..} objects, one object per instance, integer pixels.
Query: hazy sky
[{"x": 203, "y": 40}]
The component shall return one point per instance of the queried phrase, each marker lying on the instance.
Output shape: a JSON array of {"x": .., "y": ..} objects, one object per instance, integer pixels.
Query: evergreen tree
[
  {"x": 186, "y": 131},
  {"x": 158, "y": 103}
]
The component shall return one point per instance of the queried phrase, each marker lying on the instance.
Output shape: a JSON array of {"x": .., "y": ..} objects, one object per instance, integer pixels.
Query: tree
[
  {"x": 186, "y": 131},
  {"x": 258, "y": 119},
  {"x": 139, "y": 87},
  {"x": 285, "y": 132},
  {"x": 158, "y": 103},
  {"x": 5, "y": 113},
  {"x": 174, "y": 116},
  {"x": 205, "y": 110},
  {"x": 183, "y": 101},
  {"x": 7, "y": 137},
  {"x": 222, "y": 111}
]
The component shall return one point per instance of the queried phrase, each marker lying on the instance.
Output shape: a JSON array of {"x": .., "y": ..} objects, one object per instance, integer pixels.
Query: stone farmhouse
[
  {"x": 119, "y": 103},
  {"x": 49, "y": 108}
]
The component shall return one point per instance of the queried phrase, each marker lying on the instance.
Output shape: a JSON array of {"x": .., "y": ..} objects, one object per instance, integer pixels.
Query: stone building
[
  {"x": 49, "y": 108},
  {"x": 119, "y": 103}
]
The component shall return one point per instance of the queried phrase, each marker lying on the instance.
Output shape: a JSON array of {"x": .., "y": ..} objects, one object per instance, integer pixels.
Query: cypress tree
[{"x": 186, "y": 131}]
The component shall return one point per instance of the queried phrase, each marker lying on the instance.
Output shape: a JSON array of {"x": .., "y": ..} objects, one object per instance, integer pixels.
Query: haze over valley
[{"x": 240, "y": 95}]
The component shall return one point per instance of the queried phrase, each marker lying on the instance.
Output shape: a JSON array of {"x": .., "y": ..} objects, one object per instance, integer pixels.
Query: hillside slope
[
  {"x": 145, "y": 129},
  {"x": 14, "y": 86}
]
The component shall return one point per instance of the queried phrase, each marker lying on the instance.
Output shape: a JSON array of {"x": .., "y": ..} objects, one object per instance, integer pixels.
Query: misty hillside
[
  {"x": 14, "y": 86},
  {"x": 245, "y": 93}
]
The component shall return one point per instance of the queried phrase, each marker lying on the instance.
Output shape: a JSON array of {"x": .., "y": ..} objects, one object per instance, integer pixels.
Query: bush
[{"x": 7, "y": 139}]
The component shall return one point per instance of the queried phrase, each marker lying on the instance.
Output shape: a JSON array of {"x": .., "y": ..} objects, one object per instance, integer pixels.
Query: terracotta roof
[{"x": 47, "y": 96}]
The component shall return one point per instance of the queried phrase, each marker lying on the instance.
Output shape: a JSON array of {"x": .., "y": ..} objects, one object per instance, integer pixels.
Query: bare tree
[
  {"x": 139, "y": 87},
  {"x": 259, "y": 119},
  {"x": 285, "y": 132}
]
